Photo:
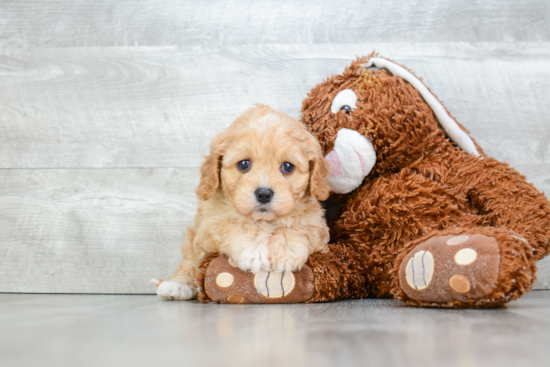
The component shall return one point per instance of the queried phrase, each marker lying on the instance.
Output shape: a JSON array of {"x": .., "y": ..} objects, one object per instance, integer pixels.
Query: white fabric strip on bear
[{"x": 447, "y": 122}]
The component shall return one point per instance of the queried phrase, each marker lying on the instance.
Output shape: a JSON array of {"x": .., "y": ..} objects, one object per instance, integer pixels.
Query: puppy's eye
[
  {"x": 287, "y": 167},
  {"x": 346, "y": 109},
  {"x": 243, "y": 166}
]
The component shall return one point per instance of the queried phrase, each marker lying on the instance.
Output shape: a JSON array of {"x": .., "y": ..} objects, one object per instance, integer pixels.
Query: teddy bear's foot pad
[
  {"x": 451, "y": 268},
  {"x": 226, "y": 283}
]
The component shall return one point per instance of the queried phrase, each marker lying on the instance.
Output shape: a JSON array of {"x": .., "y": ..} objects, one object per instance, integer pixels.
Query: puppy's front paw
[
  {"x": 287, "y": 253},
  {"x": 176, "y": 291},
  {"x": 254, "y": 259}
]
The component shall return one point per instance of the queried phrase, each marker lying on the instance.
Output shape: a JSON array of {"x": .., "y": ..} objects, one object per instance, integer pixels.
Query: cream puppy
[{"x": 257, "y": 200}]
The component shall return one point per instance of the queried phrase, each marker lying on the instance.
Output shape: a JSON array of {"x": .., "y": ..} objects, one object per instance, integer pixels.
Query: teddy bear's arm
[
  {"x": 504, "y": 196},
  {"x": 497, "y": 193}
]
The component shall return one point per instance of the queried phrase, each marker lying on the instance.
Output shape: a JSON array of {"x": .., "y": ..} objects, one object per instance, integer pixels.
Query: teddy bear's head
[{"x": 376, "y": 118}]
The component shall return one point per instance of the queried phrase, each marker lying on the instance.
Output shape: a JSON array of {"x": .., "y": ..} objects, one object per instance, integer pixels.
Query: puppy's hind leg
[
  {"x": 181, "y": 285},
  {"x": 177, "y": 288}
]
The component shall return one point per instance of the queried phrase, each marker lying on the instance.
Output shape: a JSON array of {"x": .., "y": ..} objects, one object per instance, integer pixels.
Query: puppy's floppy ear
[
  {"x": 210, "y": 169},
  {"x": 318, "y": 170}
]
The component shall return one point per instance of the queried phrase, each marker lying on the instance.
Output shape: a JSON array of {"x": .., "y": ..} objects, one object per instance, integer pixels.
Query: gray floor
[{"x": 133, "y": 330}]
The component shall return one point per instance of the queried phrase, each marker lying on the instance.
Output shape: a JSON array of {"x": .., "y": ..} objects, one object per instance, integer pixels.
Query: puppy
[{"x": 257, "y": 200}]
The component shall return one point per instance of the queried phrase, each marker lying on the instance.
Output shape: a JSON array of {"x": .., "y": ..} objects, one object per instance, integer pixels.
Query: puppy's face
[
  {"x": 266, "y": 161},
  {"x": 265, "y": 170}
]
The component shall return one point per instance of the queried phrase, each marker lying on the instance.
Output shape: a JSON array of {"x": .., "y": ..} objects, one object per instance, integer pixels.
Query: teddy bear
[{"x": 417, "y": 212}]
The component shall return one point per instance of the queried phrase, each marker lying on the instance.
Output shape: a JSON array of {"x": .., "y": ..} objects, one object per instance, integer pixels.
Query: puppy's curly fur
[{"x": 278, "y": 235}]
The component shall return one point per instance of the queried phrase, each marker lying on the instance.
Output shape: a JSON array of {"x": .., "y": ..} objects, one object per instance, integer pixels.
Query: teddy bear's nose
[{"x": 264, "y": 195}]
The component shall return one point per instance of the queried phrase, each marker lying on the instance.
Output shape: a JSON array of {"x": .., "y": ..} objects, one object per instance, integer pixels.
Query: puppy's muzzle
[{"x": 264, "y": 195}]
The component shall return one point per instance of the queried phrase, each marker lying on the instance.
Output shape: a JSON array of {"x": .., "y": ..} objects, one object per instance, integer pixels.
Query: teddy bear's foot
[
  {"x": 466, "y": 269},
  {"x": 225, "y": 282}
]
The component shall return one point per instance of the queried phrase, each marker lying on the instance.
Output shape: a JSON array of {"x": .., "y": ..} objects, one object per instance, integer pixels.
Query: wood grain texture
[
  {"x": 107, "y": 23},
  {"x": 92, "y": 231},
  {"x": 106, "y": 107},
  {"x": 160, "y": 107},
  {"x": 83, "y": 125}
]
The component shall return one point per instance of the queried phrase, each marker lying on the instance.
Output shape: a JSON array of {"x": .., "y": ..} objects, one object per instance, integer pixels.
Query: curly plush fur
[{"x": 422, "y": 185}]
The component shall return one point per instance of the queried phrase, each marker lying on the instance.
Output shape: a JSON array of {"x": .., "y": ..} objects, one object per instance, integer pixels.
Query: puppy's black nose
[{"x": 264, "y": 196}]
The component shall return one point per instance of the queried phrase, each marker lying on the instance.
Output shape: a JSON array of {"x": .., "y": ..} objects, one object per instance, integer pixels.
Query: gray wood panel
[
  {"x": 61, "y": 23},
  {"x": 159, "y": 107},
  {"x": 100, "y": 146},
  {"x": 98, "y": 230},
  {"x": 92, "y": 230}
]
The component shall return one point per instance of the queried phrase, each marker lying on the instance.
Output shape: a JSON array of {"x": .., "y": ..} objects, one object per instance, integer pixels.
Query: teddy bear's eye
[
  {"x": 243, "y": 166},
  {"x": 344, "y": 101},
  {"x": 346, "y": 109}
]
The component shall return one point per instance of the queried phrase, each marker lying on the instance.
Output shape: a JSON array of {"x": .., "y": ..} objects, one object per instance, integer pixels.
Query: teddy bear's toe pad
[
  {"x": 226, "y": 283},
  {"x": 451, "y": 268}
]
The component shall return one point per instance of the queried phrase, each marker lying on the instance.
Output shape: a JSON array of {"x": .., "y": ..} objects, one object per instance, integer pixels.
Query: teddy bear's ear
[
  {"x": 318, "y": 171},
  {"x": 448, "y": 123},
  {"x": 210, "y": 169}
]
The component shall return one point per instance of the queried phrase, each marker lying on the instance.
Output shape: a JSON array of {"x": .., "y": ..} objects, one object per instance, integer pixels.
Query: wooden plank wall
[{"x": 106, "y": 107}]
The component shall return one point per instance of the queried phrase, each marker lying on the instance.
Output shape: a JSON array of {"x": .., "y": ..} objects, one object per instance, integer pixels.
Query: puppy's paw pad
[{"x": 176, "y": 291}]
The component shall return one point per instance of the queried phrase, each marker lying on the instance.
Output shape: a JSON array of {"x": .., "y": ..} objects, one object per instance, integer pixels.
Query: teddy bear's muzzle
[{"x": 352, "y": 159}]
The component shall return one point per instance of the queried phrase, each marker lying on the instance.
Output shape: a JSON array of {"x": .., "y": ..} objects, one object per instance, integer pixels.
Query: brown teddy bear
[{"x": 418, "y": 211}]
